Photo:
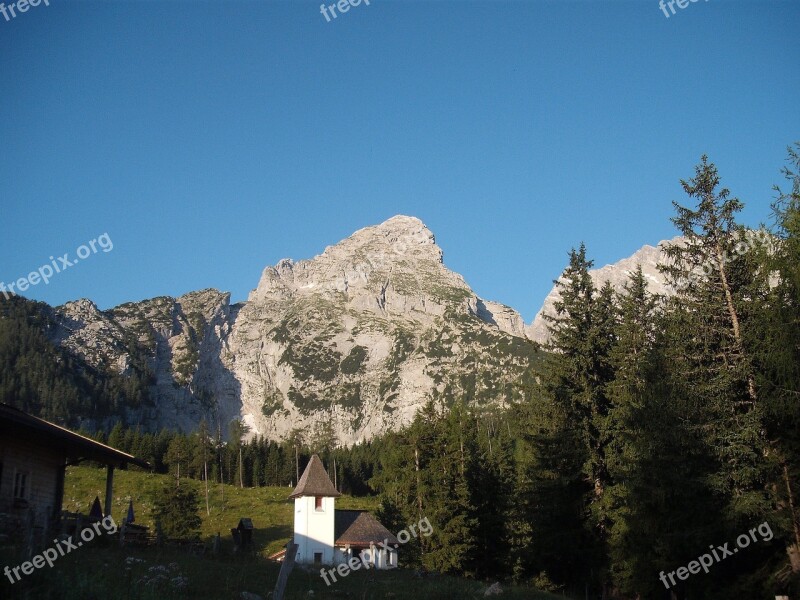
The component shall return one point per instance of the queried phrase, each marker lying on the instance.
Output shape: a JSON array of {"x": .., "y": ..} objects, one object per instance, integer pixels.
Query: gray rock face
[
  {"x": 618, "y": 275},
  {"x": 359, "y": 337},
  {"x": 354, "y": 340}
]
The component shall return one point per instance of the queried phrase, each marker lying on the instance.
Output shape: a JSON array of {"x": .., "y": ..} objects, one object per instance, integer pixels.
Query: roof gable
[
  {"x": 360, "y": 528},
  {"x": 73, "y": 445},
  {"x": 315, "y": 481}
]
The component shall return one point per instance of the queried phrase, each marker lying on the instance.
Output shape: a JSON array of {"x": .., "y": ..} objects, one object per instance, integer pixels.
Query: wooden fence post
[
  {"x": 286, "y": 568},
  {"x": 30, "y": 523}
]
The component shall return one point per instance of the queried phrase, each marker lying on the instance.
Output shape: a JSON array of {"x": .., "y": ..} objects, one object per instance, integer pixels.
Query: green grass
[
  {"x": 268, "y": 507},
  {"x": 102, "y": 570}
]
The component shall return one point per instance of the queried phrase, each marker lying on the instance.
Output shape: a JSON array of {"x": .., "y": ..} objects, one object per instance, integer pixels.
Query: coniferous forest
[{"x": 656, "y": 427}]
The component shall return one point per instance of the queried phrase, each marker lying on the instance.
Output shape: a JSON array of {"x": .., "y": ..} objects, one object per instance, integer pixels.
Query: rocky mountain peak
[
  {"x": 399, "y": 255},
  {"x": 358, "y": 338},
  {"x": 389, "y": 244},
  {"x": 81, "y": 308},
  {"x": 618, "y": 274}
]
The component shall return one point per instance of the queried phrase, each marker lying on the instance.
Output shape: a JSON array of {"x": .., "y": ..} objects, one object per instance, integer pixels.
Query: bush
[
  {"x": 176, "y": 510},
  {"x": 354, "y": 362}
]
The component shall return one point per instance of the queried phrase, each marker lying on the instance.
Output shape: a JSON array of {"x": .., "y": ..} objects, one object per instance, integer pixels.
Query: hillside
[
  {"x": 101, "y": 569},
  {"x": 356, "y": 339},
  {"x": 268, "y": 507},
  {"x": 360, "y": 336}
]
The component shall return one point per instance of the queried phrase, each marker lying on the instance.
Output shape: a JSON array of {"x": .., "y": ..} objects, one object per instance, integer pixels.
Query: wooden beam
[
  {"x": 109, "y": 489},
  {"x": 59, "y": 502},
  {"x": 286, "y": 568}
]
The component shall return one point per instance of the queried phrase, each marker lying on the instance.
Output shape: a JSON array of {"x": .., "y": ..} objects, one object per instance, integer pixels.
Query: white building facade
[{"x": 326, "y": 536}]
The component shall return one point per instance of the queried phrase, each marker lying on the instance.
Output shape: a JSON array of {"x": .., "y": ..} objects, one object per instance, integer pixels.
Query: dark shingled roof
[
  {"x": 359, "y": 528},
  {"x": 73, "y": 446},
  {"x": 315, "y": 481}
]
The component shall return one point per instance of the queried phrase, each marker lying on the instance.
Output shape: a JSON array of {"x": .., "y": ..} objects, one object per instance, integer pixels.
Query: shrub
[
  {"x": 176, "y": 508},
  {"x": 354, "y": 362}
]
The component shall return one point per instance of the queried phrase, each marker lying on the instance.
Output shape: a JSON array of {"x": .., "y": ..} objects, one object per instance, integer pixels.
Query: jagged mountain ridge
[
  {"x": 618, "y": 273},
  {"x": 360, "y": 337}
]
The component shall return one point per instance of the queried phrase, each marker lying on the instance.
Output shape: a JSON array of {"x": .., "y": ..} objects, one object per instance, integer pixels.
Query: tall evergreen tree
[
  {"x": 237, "y": 430},
  {"x": 202, "y": 452},
  {"x": 569, "y": 474},
  {"x": 116, "y": 439},
  {"x": 177, "y": 456},
  {"x": 658, "y": 502},
  {"x": 777, "y": 343},
  {"x": 714, "y": 290}
]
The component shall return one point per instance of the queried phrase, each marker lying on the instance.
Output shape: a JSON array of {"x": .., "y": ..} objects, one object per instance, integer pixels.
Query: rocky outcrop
[
  {"x": 618, "y": 275},
  {"x": 363, "y": 335},
  {"x": 360, "y": 336}
]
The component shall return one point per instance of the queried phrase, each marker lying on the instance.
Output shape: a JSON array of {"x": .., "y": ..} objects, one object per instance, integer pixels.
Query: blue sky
[{"x": 210, "y": 139}]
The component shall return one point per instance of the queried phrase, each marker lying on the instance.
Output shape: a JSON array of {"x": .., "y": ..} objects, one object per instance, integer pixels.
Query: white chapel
[{"x": 326, "y": 536}]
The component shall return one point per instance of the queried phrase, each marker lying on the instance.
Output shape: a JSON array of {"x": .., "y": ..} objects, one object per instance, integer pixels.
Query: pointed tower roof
[{"x": 315, "y": 481}]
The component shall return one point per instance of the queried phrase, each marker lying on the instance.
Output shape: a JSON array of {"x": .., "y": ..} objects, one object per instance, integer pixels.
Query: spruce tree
[
  {"x": 568, "y": 475},
  {"x": 452, "y": 470},
  {"x": 714, "y": 290},
  {"x": 176, "y": 510},
  {"x": 777, "y": 343},
  {"x": 177, "y": 457},
  {"x": 658, "y": 502},
  {"x": 634, "y": 364}
]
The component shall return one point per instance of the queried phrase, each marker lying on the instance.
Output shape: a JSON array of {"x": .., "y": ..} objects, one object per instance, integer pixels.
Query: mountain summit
[
  {"x": 352, "y": 342},
  {"x": 618, "y": 274},
  {"x": 347, "y": 344},
  {"x": 363, "y": 334}
]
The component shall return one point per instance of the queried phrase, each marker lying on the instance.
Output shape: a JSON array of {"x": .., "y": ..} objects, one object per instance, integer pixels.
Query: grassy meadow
[
  {"x": 103, "y": 570},
  {"x": 268, "y": 507}
]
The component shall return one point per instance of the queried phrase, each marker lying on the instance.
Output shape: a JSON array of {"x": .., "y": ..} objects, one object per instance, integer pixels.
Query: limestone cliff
[{"x": 360, "y": 336}]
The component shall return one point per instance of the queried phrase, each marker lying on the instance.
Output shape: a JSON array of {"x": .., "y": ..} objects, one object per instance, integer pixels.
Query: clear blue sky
[{"x": 210, "y": 139}]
